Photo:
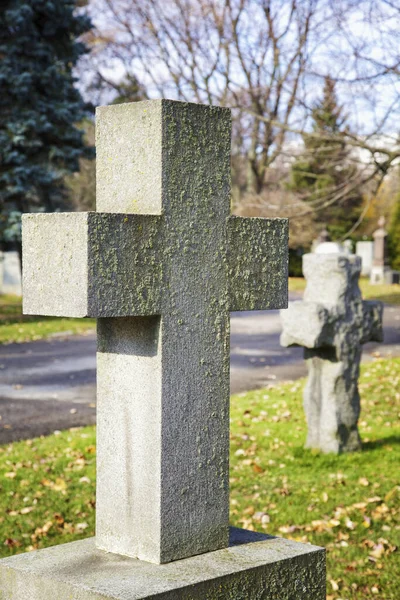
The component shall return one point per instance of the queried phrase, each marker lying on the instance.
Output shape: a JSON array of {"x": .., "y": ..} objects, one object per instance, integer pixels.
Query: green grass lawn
[
  {"x": 387, "y": 293},
  {"x": 350, "y": 504},
  {"x": 16, "y": 327}
]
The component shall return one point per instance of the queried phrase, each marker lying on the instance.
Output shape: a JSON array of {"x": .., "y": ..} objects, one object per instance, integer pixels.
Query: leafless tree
[
  {"x": 81, "y": 186},
  {"x": 265, "y": 59}
]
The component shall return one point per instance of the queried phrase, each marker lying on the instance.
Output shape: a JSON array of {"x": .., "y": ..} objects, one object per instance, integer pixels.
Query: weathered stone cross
[
  {"x": 332, "y": 324},
  {"x": 160, "y": 264}
]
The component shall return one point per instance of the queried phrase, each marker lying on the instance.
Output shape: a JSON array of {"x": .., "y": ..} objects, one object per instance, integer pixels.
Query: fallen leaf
[
  {"x": 390, "y": 495},
  {"x": 26, "y": 510},
  {"x": 334, "y": 584},
  {"x": 60, "y": 485},
  {"x": 377, "y": 551},
  {"x": 11, "y": 543},
  {"x": 59, "y": 519},
  {"x": 363, "y": 481}
]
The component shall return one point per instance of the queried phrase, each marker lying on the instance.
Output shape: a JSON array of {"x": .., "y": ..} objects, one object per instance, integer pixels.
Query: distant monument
[
  {"x": 324, "y": 245},
  {"x": 323, "y": 237},
  {"x": 348, "y": 247},
  {"x": 10, "y": 273},
  {"x": 381, "y": 271},
  {"x": 331, "y": 324},
  {"x": 365, "y": 250}
]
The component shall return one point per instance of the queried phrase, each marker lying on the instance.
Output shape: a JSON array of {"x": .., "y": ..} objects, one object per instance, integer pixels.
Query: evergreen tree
[
  {"x": 324, "y": 169},
  {"x": 39, "y": 105}
]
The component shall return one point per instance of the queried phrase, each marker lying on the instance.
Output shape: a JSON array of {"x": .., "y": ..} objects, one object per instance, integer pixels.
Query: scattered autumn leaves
[
  {"x": 349, "y": 504},
  {"x": 47, "y": 490}
]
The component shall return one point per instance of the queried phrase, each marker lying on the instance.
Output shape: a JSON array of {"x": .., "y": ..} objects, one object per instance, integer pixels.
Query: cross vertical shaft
[{"x": 164, "y": 393}]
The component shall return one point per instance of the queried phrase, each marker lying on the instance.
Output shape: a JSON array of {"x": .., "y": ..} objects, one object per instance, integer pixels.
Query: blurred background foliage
[{"x": 313, "y": 87}]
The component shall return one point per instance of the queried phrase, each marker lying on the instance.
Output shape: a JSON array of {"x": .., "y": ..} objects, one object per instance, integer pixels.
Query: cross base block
[{"x": 254, "y": 567}]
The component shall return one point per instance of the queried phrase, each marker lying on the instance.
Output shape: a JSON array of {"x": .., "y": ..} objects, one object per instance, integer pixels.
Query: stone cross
[
  {"x": 160, "y": 265},
  {"x": 331, "y": 324}
]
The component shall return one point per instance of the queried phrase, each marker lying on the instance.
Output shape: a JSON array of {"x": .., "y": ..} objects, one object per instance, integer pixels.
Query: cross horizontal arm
[
  {"x": 258, "y": 263},
  {"x": 308, "y": 324},
  {"x": 92, "y": 264},
  {"x": 125, "y": 260}
]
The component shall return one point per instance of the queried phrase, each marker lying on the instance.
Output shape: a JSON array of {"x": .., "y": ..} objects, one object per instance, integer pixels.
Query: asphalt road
[{"x": 49, "y": 385}]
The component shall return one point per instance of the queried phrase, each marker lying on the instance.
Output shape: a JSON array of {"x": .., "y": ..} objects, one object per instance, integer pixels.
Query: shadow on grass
[
  {"x": 378, "y": 444},
  {"x": 11, "y": 319},
  {"x": 312, "y": 457}
]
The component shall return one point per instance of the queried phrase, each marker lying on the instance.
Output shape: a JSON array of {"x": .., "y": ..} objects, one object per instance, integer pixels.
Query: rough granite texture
[
  {"x": 258, "y": 269},
  {"x": 254, "y": 567},
  {"x": 331, "y": 324},
  {"x": 92, "y": 264},
  {"x": 162, "y": 283}
]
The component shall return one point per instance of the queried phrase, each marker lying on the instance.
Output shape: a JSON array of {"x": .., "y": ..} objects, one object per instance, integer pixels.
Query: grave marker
[
  {"x": 365, "y": 250},
  {"x": 332, "y": 324},
  {"x": 10, "y": 273},
  {"x": 381, "y": 272},
  {"x": 161, "y": 264}
]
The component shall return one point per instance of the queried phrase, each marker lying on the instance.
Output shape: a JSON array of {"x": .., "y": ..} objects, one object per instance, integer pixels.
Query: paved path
[
  {"x": 257, "y": 359},
  {"x": 46, "y": 385},
  {"x": 49, "y": 385}
]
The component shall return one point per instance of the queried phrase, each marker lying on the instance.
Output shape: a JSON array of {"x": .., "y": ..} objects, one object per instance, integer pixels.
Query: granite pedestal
[{"x": 253, "y": 567}]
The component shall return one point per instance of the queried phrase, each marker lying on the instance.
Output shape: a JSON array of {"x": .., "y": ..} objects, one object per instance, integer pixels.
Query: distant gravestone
[
  {"x": 323, "y": 237},
  {"x": 381, "y": 271},
  {"x": 365, "y": 250},
  {"x": 161, "y": 264},
  {"x": 348, "y": 247},
  {"x": 324, "y": 245},
  {"x": 332, "y": 324},
  {"x": 329, "y": 248},
  {"x": 10, "y": 273}
]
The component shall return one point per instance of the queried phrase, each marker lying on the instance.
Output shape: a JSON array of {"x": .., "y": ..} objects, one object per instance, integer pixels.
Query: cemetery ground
[
  {"x": 49, "y": 384},
  {"x": 16, "y": 327},
  {"x": 349, "y": 504}
]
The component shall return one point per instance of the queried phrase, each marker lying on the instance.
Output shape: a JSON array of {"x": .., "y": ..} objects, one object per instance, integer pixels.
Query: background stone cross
[
  {"x": 160, "y": 264},
  {"x": 332, "y": 324}
]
